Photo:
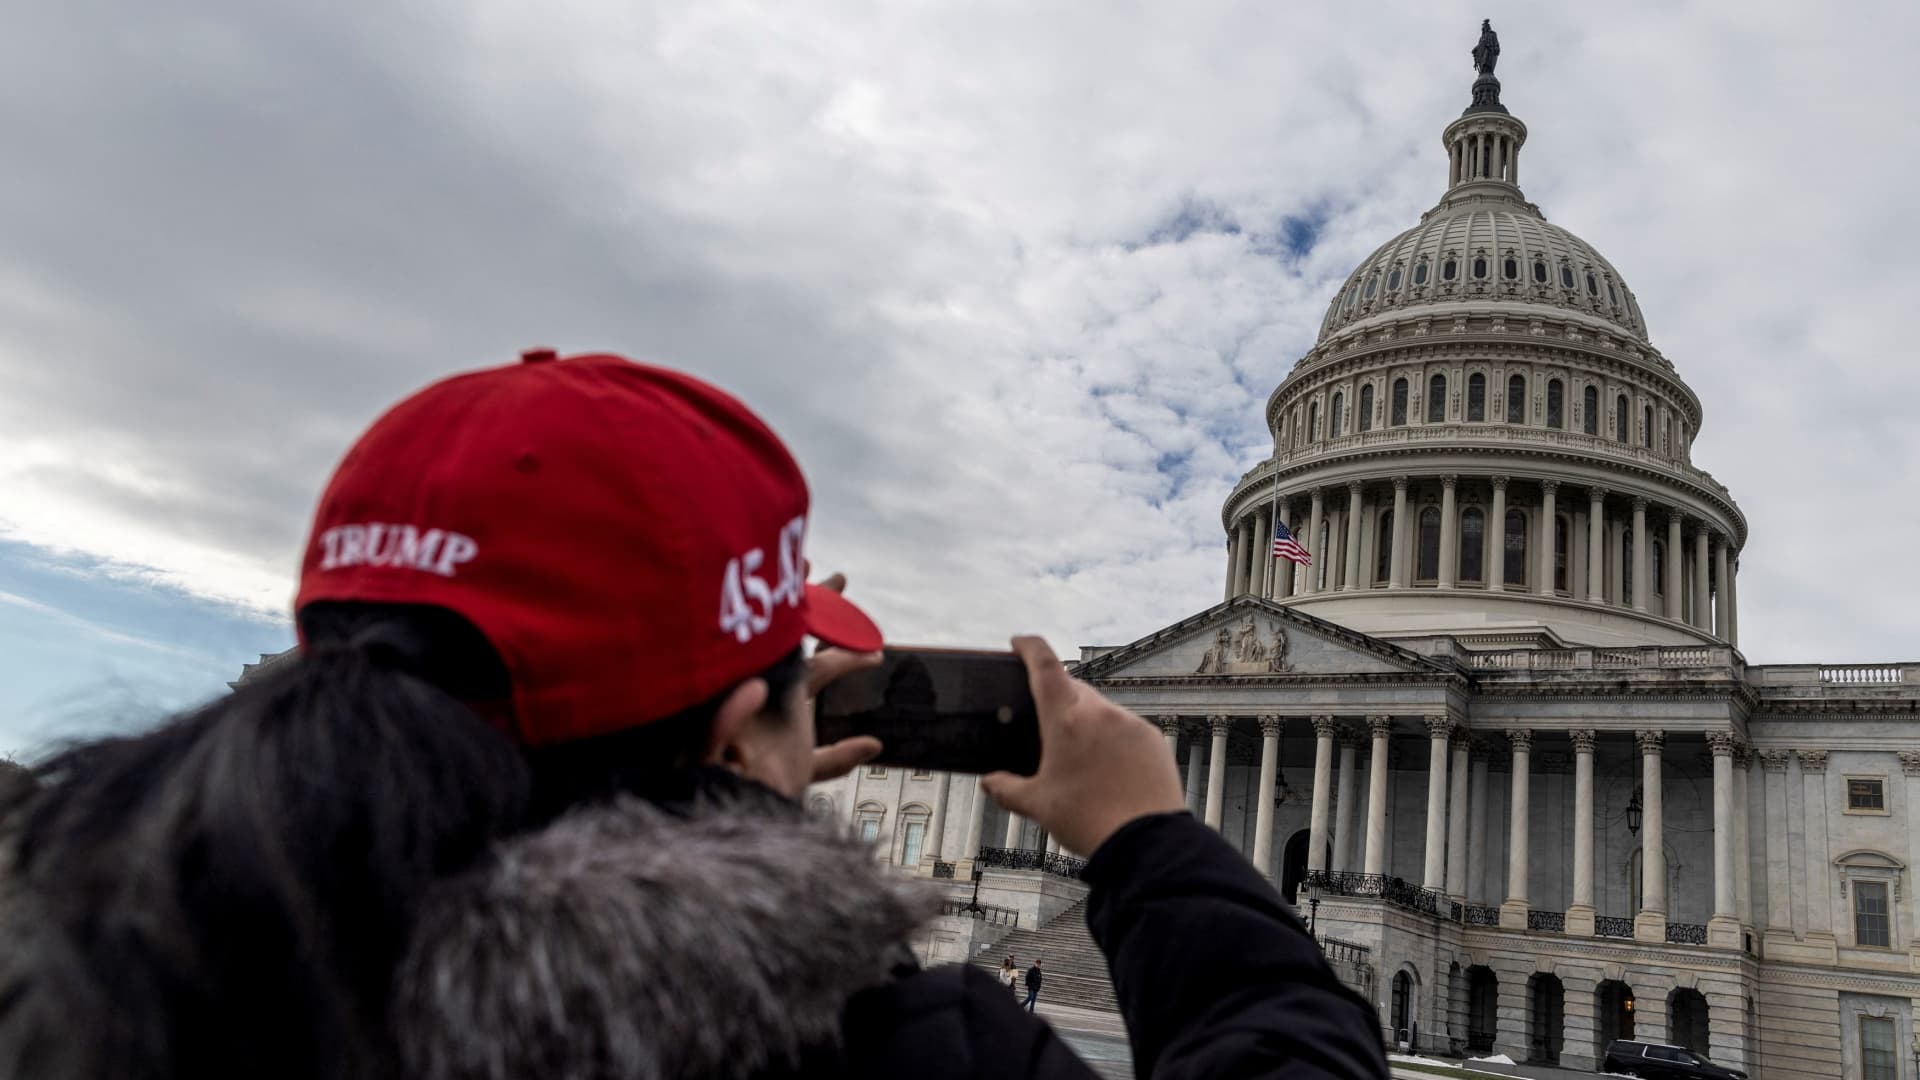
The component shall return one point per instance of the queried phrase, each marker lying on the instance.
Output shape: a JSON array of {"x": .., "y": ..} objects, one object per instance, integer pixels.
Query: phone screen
[{"x": 951, "y": 710}]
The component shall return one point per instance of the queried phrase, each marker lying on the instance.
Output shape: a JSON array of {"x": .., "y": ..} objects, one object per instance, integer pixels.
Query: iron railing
[
  {"x": 942, "y": 869},
  {"x": 1347, "y": 951},
  {"x": 1609, "y": 926},
  {"x": 1479, "y": 1040},
  {"x": 1680, "y": 933},
  {"x": 1395, "y": 891},
  {"x": 1480, "y": 915},
  {"x": 987, "y": 913},
  {"x": 1001, "y": 858},
  {"x": 1554, "y": 921}
]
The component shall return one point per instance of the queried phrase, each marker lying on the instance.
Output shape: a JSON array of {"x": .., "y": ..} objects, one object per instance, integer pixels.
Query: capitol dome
[{"x": 1483, "y": 441}]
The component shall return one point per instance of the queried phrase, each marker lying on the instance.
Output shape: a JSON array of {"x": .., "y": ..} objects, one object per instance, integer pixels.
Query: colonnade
[
  {"x": 1340, "y": 533},
  {"x": 1456, "y": 814}
]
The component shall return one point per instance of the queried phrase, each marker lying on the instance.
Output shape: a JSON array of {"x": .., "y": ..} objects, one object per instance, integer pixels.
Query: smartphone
[{"x": 951, "y": 710}]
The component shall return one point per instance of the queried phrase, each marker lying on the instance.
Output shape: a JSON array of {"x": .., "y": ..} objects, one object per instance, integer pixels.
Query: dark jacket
[
  {"x": 1033, "y": 977},
  {"x": 625, "y": 942}
]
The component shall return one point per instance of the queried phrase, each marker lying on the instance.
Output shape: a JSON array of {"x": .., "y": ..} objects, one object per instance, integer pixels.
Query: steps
[{"x": 1073, "y": 970}]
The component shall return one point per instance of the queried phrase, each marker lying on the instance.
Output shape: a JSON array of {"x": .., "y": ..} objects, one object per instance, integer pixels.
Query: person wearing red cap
[{"x": 526, "y": 803}]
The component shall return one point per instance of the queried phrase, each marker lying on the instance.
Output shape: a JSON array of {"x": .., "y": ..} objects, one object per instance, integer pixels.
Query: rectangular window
[
  {"x": 1877, "y": 1060},
  {"x": 1866, "y": 793},
  {"x": 1870, "y": 915},
  {"x": 910, "y": 851},
  {"x": 923, "y": 774},
  {"x": 869, "y": 830},
  {"x": 876, "y": 771}
]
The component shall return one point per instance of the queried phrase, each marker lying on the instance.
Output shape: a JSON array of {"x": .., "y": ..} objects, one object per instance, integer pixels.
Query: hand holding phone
[{"x": 949, "y": 710}]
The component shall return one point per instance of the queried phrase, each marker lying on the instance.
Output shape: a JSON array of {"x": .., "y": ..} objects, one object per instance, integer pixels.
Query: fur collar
[{"x": 627, "y": 941}]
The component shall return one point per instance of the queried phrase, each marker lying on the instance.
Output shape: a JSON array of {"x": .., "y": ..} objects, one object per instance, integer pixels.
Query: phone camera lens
[{"x": 1004, "y": 714}]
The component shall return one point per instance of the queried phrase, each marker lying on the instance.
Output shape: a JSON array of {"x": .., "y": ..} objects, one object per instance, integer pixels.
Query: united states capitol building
[{"x": 1500, "y": 740}]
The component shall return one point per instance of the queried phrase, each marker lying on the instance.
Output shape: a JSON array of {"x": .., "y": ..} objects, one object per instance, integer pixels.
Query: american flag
[{"x": 1286, "y": 547}]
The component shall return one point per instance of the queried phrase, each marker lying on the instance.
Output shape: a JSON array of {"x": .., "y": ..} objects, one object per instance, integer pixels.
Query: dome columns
[{"x": 1484, "y": 148}]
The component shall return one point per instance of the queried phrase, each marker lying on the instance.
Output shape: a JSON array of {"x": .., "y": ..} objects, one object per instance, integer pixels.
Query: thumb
[{"x": 1011, "y": 790}]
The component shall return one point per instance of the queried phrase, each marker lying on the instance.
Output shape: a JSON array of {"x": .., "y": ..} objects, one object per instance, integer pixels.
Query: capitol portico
[{"x": 1499, "y": 740}]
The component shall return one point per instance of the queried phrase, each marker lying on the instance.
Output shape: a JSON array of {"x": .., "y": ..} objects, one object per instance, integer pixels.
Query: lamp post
[
  {"x": 1634, "y": 810},
  {"x": 1916, "y": 1055},
  {"x": 973, "y": 907},
  {"x": 1313, "y": 907}
]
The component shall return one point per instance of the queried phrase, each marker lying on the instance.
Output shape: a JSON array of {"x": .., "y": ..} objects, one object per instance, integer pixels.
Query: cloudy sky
[{"x": 1013, "y": 279}]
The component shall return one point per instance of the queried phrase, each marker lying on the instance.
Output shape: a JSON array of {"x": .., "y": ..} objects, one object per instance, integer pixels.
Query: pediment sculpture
[{"x": 1245, "y": 651}]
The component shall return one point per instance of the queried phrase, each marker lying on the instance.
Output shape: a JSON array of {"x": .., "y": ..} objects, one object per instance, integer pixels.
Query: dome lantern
[{"x": 1483, "y": 146}]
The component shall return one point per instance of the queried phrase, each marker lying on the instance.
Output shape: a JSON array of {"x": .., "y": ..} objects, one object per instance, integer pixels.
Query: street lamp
[
  {"x": 973, "y": 907},
  {"x": 1313, "y": 907},
  {"x": 1634, "y": 810},
  {"x": 1916, "y": 1055}
]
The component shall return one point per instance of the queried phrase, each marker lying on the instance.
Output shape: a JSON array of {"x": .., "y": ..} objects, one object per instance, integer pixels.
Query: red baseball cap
[{"x": 627, "y": 538}]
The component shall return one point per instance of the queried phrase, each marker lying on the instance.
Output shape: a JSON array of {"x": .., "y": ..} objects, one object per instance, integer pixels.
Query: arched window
[
  {"x": 1516, "y": 549},
  {"x": 1449, "y": 270},
  {"x": 1620, "y": 418},
  {"x": 1476, "y": 396},
  {"x": 1428, "y": 568},
  {"x": 1593, "y": 287},
  {"x": 1646, "y": 426},
  {"x": 1373, "y": 282},
  {"x": 1510, "y": 267},
  {"x": 1437, "y": 399},
  {"x": 1333, "y": 419},
  {"x": 1517, "y": 400},
  {"x": 1554, "y": 418},
  {"x": 1540, "y": 271},
  {"x": 1562, "y": 531},
  {"x": 1393, "y": 280},
  {"x": 1313, "y": 421},
  {"x": 1612, "y": 297},
  {"x": 1383, "y": 548},
  {"x": 1420, "y": 272},
  {"x": 1364, "y": 422},
  {"x": 1566, "y": 276},
  {"x": 1399, "y": 402},
  {"x": 1479, "y": 266},
  {"x": 1658, "y": 584},
  {"x": 1590, "y": 408},
  {"x": 1626, "y": 567},
  {"x": 1473, "y": 534}
]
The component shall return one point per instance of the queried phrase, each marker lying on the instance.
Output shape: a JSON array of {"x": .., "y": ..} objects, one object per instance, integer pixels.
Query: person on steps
[{"x": 1033, "y": 985}]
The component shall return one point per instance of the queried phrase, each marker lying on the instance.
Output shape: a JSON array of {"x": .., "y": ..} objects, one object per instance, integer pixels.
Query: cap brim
[{"x": 833, "y": 619}]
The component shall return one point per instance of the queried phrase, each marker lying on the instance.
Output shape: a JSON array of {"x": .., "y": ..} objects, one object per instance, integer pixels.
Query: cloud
[{"x": 1014, "y": 282}]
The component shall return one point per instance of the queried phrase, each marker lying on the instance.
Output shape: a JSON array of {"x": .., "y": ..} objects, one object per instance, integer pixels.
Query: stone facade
[{"x": 1502, "y": 729}]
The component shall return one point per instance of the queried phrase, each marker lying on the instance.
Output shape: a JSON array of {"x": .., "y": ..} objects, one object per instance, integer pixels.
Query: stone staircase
[{"x": 1073, "y": 970}]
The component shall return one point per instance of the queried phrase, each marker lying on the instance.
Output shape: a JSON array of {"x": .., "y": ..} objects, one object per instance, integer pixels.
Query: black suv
[{"x": 1658, "y": 1061}]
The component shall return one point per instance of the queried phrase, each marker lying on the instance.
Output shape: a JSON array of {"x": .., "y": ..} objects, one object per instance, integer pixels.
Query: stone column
[
  {"x": 1262, "y": 552},
  {"x": 1641, "y": 587},
  {"x": 1733, "y": 601},
  {"x": 1196, "y": 792},
  {"x": 1324, "y": 730},
  {"x": 1237, "y": 566},
  {"x": 1813, "y": 777},
  {"x": 1312, "y": 542},
  {"x": 1477, "y": 823},
  {"x": 1354, "y": 519},
  {"x": 1170, "y": 727},
  {"x": 1723, "y": 929},
  {"x": 1742, "y": 838},
  {"x": 1376, "y": 854},
  {"x": 1493, "y": 550},
  {"x": 1513, "y": 913},
  {"x": 1651, "y": 923},
  {"x": 1053, "y": 844},
  {"x": 1263, "y": 804},
  {"x": 1343, "y": 845},
  {"x": 1217, "y": 769},
  {"x": 1580, "y": 913},
  {"x": 1596, "y": 545},
  {"x": 937, "y": 828},
  {"x": 1449, "y": 532},
  {"x": 1723, "y": 599},
  {"x": 1015, "y": 825},
  {"x": 976, "y": 824},
  {"x": 1397, "y": 565},
  {"x": 1457, "y": 820},
  {"x": 1676, "y": 592},
  {"x": 1439, "y": 729},
  {"x": 1702, "y": 581},
  {"x": 1544, "y": 587},
  {"x": 1336, "y": 541},
  {"x": 1773, "y": 768}
]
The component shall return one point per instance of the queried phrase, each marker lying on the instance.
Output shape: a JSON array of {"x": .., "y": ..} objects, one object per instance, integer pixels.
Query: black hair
[{"x": 229, "y": 894}]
